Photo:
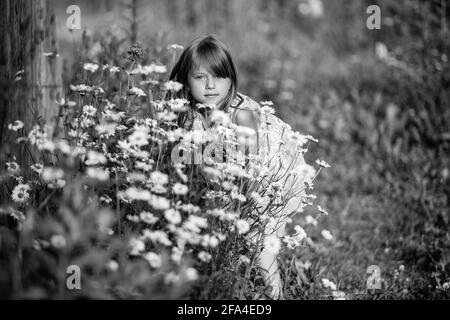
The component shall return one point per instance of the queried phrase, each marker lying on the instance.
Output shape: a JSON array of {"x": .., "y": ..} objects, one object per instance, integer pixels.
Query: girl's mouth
[{"x": 211, "y": 95}]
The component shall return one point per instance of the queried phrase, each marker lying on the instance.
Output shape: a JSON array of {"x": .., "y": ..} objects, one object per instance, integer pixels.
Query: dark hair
[{"x": 214, "y": 56}]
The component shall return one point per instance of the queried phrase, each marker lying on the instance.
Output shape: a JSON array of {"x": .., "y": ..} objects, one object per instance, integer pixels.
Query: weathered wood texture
[{"x": 27, "y": 31}]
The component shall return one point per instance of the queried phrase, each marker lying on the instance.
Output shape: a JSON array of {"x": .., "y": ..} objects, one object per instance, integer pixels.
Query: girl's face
[{"x": 206, "y": 88}]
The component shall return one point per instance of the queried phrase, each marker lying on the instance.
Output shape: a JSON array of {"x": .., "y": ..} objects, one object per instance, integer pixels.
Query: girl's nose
[{"x": 210, "y": 84}]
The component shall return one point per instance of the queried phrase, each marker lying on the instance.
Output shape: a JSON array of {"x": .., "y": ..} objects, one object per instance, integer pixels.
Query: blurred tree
[{"x": 31, "y": 83}]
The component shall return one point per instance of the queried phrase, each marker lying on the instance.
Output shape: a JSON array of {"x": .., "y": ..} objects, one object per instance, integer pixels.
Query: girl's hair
[{"x": 215, "y": 57}]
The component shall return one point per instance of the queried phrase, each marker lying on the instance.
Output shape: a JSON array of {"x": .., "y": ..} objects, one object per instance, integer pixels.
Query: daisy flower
[
  {"x": 311, "y": 220},
  {"x": 12, "y": 167},
  {"x": 272, "y": 244},
  {"x": 16, "y": 125},
  {"x": 322, "y": 163},
  {"x": 327, "y": 235},
  {"x": 173, "y": 216},
  {"x": 91, "y": 67},
  {"x": 191, "y": 274},
  {"x": 174, "y": 47},
  {"x": 158, "y": 177},
  {"x": 323, "y": 211},
  {"x": 180, "y": 189},
  {"x": 89, "y": 110},
  {"x": 173, "y": 85},
  {"x": 20, "y": 193},
  {"x": 204, "y": 256},
  {"x": 97, "y": 173},
  {"x": 136, "y": 91},
  {"x": 242, "y": 226},
  {"x": 148, "y": 217},
  {"x": 153, "y": 259}
]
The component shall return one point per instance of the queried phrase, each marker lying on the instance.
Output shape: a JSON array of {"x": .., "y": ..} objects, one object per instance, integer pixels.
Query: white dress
[{"x": 277, "y": 151}]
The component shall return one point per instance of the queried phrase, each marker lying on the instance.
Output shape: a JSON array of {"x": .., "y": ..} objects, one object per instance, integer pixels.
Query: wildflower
[
  {"x": 91, "y": 67},
  {"x": 158, "y": 177},
  {"x": 97, "y": 173},
  {"x": 89, "y": 110},
  {"x": 57, "y": 184},
  {"x": 95, "y": 158},
  {"x": 242, "y": 226},
  {"x": 311, "y": 220},
  {"x": 112, "y": 265},
  {"x": 134, "y": 193},
  {"x": 171, "y": 278},
  {"x": 16, "y": 125},
  {"x": 306, "y": 171},
  {"x": 174, "y": 47},
  {"x": 173, "y": 216},
  {"x": 300, "y": 233},
  {"x": 148, "y": 217},
  {"x": 328, "y": 284},
  {"x": 322, "y": 163},
  {"x": 37, "y": 135},
  {"x": 191, "y": 274},
  {"x": 204, "y": 256},
  {"x": 81, "y": 88},
  {"x": 272, "y": 244},
  {"x": 401, "y": 268},
  {"x": 58, "y": 241},
  {"x": 12, "y": 167},
  {"x": 50, "y": 174},
  {"x": 153, "y": 259},
  {"x": 266, "y": 103},
  {"x": 16, "y": 214},
  {"x": 20, "y": 193},
  {"x": 136, "y": 246},
  {"x": 302, "y": 265},
  {"x": 311, "y": 138},
  {"x": 266, "y": 110},
  {"x": 106, "y": 199},
  {"x": 338, "y": 295},
  {"x": 159, "y": 68},
  {"x": 327, "y": 235},
  {"x": 210, "y": 241},
  {"x": 106, "y": 130},
  {"x": 291, "y": 242},
  {"x": 159, "y": 203},
  {"x": 139, "y": 136},
  {"x": 114, "y": 69},
  {"x": 446, "y": 285},
  {"x": 180, "y": 189},
  {"x": 244, "y": 259},
  {"x": 195, "y": 223},
  {"x": 178, "y": 104},
  {"x": 166, "y": 116},
  {"x": 323, "y": 211},
  {"x": 124, "y": 145},
  {"x": 381, "y": 51},
  {"x": 157, "y": 236},
  {"x": 136, "y": 92},
  {"x": 173, "y": 85},
  {"x": 238, "y": 196}
]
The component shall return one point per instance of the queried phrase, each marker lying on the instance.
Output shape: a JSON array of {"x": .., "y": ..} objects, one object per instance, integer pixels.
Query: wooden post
[{"x": 30, "y": 78}]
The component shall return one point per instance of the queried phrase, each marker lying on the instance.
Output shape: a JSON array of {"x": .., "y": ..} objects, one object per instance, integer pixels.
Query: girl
[{"x": 208, "y": 75}]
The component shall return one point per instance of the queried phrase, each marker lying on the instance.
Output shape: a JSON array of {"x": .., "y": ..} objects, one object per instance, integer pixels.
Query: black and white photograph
[{"x": 247, "y": 151}]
